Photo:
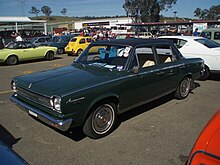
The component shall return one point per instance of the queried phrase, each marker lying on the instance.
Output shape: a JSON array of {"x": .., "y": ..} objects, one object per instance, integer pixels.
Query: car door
[
  {"x": 169, "y": 67},
  {"x": 29, "y": 52},
  {"x": 146, "y": 84},
  {"x": 157, "y": 75}
]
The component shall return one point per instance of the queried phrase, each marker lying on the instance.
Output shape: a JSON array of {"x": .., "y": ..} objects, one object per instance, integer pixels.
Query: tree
[
  {"x": 213, "y": 13},
  {"x": 34, "y": 11},
  {"x": 46, "y": 10},
  {"x": 132, "y": 8},
  {"x": 64, "y": 11},
  {"x": 146, "y": 10}
]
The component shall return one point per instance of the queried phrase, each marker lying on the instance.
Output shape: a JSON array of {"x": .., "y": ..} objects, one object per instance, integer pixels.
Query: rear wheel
[
  {"x": 206, "y": 74},
  {"x": 183, "y": 89},
  {"x": 12, "y": 60},
  {"x": 101, "y": 121},
  {"x": 79, "y": 52},
  {"x": 60, "y": 51},
  {"x": 49, "y": 55}
]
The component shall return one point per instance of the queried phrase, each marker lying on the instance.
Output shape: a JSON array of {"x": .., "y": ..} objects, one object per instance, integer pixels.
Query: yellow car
[{"x": 78, "y": 44}]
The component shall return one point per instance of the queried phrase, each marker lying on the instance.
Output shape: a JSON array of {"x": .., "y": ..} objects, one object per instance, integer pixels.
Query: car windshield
[
  {"x": 12, "y": 45},
  {"x": 108, "y": 56},
  {"x": 208, "y": 43}
]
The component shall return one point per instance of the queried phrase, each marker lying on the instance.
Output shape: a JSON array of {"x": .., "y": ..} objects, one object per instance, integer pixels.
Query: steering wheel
[{"x": 97, "y": 58}]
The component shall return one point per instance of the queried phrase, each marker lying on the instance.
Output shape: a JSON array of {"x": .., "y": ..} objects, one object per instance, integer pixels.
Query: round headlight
[{"x": 56, "y": 103}]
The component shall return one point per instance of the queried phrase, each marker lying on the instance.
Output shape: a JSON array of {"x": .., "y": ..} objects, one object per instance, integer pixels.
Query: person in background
[
  {"x": 18, "y": 37},
  {"x": 196, "y": 33},
  {"x": 2, "y": 43}
]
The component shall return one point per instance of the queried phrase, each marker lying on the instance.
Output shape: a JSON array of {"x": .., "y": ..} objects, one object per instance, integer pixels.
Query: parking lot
[{"x": 161, "y": 132}]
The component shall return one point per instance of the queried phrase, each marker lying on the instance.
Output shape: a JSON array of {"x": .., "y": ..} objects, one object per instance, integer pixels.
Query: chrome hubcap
[
  {"x": 185, "y": 86},
  {"x": 103, "y": 119}
]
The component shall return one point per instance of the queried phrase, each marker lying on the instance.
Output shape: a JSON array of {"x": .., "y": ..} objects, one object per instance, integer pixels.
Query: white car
[{"x": 192, "y": 46}]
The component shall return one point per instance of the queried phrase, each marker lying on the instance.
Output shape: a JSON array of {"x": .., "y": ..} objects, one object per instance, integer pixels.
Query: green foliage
[
  {"x": 46, "y": 11},
  {"x": 64, "y": 11},
  {"x": 34, "y": 11},
  {"x": 213, "y": 13},
  {"x": 146, "y": 10}
]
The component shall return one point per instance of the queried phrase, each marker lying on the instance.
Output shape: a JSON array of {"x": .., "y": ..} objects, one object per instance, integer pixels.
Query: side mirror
[{"x": 135, "y": 69}]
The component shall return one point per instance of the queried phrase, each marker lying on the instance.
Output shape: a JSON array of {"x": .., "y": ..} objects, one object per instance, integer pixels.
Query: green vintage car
[
  {"x": 108, "y": 78},
  {"x": 22, "y": 50}
]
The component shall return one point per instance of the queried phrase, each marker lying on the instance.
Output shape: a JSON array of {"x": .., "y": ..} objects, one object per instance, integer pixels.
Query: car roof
[
  {"x": 211, "y": 29},
  {"x": 132, "y": 41},
  {"x": 188, "y": 38}
]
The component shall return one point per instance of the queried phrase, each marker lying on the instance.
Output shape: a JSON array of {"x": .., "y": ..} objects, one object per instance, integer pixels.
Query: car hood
[{"x": 65, "y": 79}]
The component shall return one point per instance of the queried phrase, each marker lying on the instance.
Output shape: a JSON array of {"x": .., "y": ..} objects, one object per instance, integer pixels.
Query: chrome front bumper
[{"x": 62, "y": 125}]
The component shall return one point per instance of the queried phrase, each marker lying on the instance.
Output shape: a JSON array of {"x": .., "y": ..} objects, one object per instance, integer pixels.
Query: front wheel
[
  {"x": 101, "y": 121},
  {"x": 183, "y": 89},
  {"x": 12, "y": 60}
]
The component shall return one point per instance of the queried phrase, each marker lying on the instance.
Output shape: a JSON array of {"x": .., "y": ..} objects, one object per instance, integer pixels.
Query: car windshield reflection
[
  {"x": 108, "y": 56},
  {"x": 208, "y": 43}
]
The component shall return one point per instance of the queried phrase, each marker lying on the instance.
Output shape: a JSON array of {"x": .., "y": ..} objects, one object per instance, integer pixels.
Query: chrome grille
[{"x": 34, "y": 97}]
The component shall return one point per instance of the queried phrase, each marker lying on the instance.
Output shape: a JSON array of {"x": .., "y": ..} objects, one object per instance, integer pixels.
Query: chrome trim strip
[{"x": 62, "y": 125}]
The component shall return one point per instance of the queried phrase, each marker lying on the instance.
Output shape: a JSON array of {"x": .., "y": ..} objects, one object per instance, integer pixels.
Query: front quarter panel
[{"x": 79, "y": 103}]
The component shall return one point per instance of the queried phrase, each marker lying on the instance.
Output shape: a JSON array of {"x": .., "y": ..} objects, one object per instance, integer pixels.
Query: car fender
[
  {"x": 98, "y": 99},
  {"x": 13, "y": 54}
]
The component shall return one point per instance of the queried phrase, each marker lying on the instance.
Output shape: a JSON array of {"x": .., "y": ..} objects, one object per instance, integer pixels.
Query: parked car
[
  {"x": 212, "y": 34},
  {"x": 145, "y": 35},
  {"x": 9, "y": 156},
  {"x": 125, "y": 35},
  {"x": 191, "y": 46},
  {"x": 37, "y": 41},
  {"x": 59, "y": 41},
  {"x": 108, "y": 78},
  {"x": 206, "y": 149},
  {"x": 78, "y": 44},
  {"x": 22, "y": 50}
]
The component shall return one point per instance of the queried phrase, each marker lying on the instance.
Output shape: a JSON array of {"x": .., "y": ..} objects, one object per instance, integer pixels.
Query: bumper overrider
[{"x": 62, "y": 125}]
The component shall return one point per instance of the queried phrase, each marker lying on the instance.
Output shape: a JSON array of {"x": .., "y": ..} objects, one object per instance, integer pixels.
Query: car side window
[
  {"x": 41, "y": 40},
  {"x": 206, "y": 35},
  {"x": 89, "y": 40},
  {"x": 217, "y": 35},
  {"x": 145, "y": 57},
  {"x": 180, "y": 43},
  {"x": 82, "y": 41},
  {"x": 164, "y": 54}
]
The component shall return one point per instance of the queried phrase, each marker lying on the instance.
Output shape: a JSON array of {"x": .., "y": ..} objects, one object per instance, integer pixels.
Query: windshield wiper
[{"x": 81, "y": 64}]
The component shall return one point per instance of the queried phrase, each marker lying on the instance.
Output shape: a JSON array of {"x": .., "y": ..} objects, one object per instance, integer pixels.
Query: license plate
[{"x": 32, "y": 113}]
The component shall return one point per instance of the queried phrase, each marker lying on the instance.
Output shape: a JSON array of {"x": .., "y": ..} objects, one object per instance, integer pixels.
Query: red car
[{"x": 206, "y": 150}]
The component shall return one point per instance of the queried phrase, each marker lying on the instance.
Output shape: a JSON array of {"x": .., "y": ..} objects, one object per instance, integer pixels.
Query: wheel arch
[
  {"x": 12, "y": 55},
  {"x": 79, "y": 49},
  {"x": 48, "y": 51},
  {"x": 101, "y": 99}
]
